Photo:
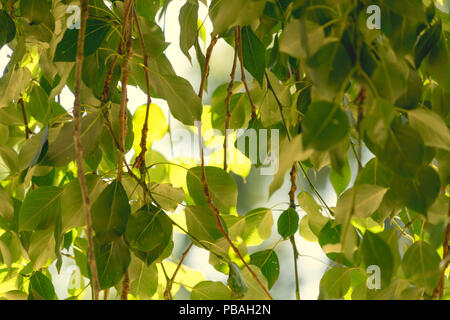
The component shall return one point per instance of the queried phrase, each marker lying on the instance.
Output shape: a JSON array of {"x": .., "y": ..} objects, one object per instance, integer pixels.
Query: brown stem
[
  {"x": 243, "y": 78},
  {"x": 293, "y": 176},
  {"x": 140, "y": 159},
  {"x": 105, "y": 294},
  {"x": 125, "y": 286},
  {"x": 79, "y": 149},
  {"x": 127, "y": 27},
  {"x": 25, "y": 121},
  {"x": 205, "y": 183},
  {"x": 228, "y": 101},
  {"x": 206, "y": 71},
  {"x": 168, "y": 291},
  {"x": 11, "y": 7},
  {"x": 439, "y": 291}
]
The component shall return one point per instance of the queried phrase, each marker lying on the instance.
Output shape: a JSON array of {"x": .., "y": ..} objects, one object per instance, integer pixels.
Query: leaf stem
[{"x": 170, "y": 282}]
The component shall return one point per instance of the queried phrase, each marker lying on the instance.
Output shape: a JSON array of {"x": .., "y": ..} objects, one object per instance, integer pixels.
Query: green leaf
[
  {"x": 375, "y": 251},
  {"x": 210, "y": 290},
  {"x": 413, "y": 9},
  {"x": 431, "y": 127},
  {"x": 222, "y": 188},
  {"x": 313, "y": 210},
  {"x": 7, "y": 208},
  {"x": 417, "y": 193},
  {"x": 148, "y": 229},
  {"x": 61, "y": 148},
  {"x": 438, "y": 63},
  {"x": 41, "y": 288},
  {"x": 335, "y": 283},
  {"x": 236, "y": 282},
  {"x": 188, "y": 26},
  {"x": 421, "y": 265},
  {"x": 202, "y": 224},
  {"x": 302, "y": 39},
  {"x": 329, "y": 68},
  {"x": 258, "y": 226},
  {"x": 112, "y": 260},
  {"x": 110, "y": 212},
  {"x": 36, "y": 11},
  {"x": 426, "y": 42},
  {"x": 143, "y": 279},
  {"x": 288, "y": 223},
  {"x": 324, "y": 125},
  {"x": 40, "y": 208},
  {"x": 167, "y": 196},
  {"x": 8, "y": 31},
  {"x": 360, "y": 201},
  {"x": 267, "y": 261},
  {"x": 403, "y": 151},
  {"x": 96, "y": 32},
  {"x": 184, "y": 103},
  {"x": 39, "y": 104},
  {"x": 253, "y": 54},
  {"x": 156, "y": 121}
]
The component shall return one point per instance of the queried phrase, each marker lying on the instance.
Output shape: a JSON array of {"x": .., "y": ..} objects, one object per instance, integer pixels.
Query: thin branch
[
  {"x": 128, "y": 28},
  {"x": 228, "y": 101},
  {"x": 25, "y": 121},
  {"x": 205, "y": 183},
  {"x": 11, "y": 7},
  {"x": 293, "y": 176},
  {"x": 79, "y": 149},
  {"x": 125, "y": 286},
  {"x": 439, "y": 291},
  {"x": 243, "y": 79},
  {"x": 170, "y": 282},
  {"x": 140, "y": 159}
]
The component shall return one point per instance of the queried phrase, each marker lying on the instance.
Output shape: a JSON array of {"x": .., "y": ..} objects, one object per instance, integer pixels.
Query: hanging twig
[
  {"x": 243, "y": 78},
  {"x": 205, "y": 183},
  {"x": 140, "y": 159},
  {"x": 439, "y": 291},
  {"x": 293, "y": 175},
  {"x": 228, "y": 101},
  {"x": 25, "y": 121},
  {"x": 170, "y": 281},
  {"x": 79, "y": 148}
]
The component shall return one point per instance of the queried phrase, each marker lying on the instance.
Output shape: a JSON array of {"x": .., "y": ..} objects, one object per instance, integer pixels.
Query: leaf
[
  {"x": 313, "y": 210},
  {"x": 375, "y": 251},
  {"x": 431, "y": 127},
  {"x": 143, "y": 279},
  {"x": 39, "y": 104},
  {"x": 41, "y": 288},
  {"x": 288, "y": 223},
  {"x": 112, "y": 260},
  {"x": 183, "y": 102},
  {"x": 96, "y": 32},
  {"x": 258, "y": 226},
  {"x": 412, "y": 9},
  {"x": 167, "y": 196},
  {"x": 202, "y": 224},
  {"x": 329, "y": 68},
  {"x": 253, "y": 54},
  {"x": 40, "y": 208},
  {"x": 61, "y": 148},
  {"x": 403, "y": 151},
  {"x": 421, "y": 265},
  {"x": 36, "y": 11},
  {"x": 7, "y": 208},
  {"x": 324, "y": 125},
  {"x": 8, "y": 31},
  {"x": 360, "y": 201},
  {"x": 110, "y": 213},
  {"x": 148, "y": 229},
  {"x": 210, "y": 290},
  {"x": 426, "y": 42},
  {"x": 188, "y": 26},
  {"x": 302, "y": 39},
  {"x": 438, "y": 63},
  {"x": 236, "y": 282},
  {"x": 267, "y": 261},
  {"x": 335, "y": 283},
  {"x": 222, "y": 188},
  {"x": 156, "y": 121},
  {"x": 417, "y": 193}
]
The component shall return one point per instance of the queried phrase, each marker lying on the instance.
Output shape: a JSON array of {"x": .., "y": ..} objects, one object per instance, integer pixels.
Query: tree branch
[
  {"x": 228, "y": 101},
  {"x": 293, "y": 175},
  {"x": 79, "y": 149},
  {"x": 25, "y": 121},
  {"x": 168, "y": 291}
]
